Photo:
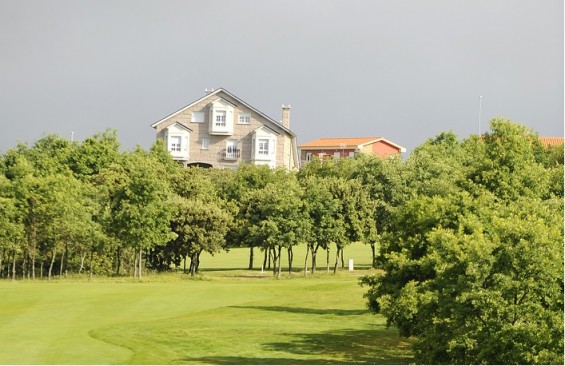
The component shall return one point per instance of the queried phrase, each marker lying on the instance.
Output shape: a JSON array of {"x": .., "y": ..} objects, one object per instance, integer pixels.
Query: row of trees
[
  {"x": 87, "y": 207},
  {"x": 468, "y": 252}
]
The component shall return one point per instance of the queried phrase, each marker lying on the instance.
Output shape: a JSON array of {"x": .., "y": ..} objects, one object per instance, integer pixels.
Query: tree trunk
[
  {"x": 276, "y": 256},
  {"x": 193, "y": 259},
  {"x": 265, "y": 255},
  {"x": 140, "y": 262},
  {"x": 184, "y": 263},
  {"x": 51, "y": 265},
  {"x": 250, "y": 257},
  {"x": 33, "y": 244},
  {"x": 61, "y": 264},
  {"x": 119, "y": 260},
  {"x": 306, "y": 261},
  {"x": 278, "y": 266},
  {"x": 341, "y": 257},
  {"x": 328, "y": 259},
  {"x": 41, "y": 269},
  {"x": 290, "y": 259},
  {"x": 314, "y": 252},
  {"x": 198, "y": 261},
  {"x": 24, "y": 266},
  {"x": 90, "y": 269},
  {"x": 134, "y": 265},
  {"x": 82, "y": 258},
  {"x": 373, "y": 251},
  {"x": 337, "y": 253},
  {"x": 14, "y": 267}
]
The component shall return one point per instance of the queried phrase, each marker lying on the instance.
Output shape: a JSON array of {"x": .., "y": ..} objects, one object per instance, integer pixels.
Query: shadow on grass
[
  {"x": 236, "y": 360},
  {"x": 371, "y": 346},
  {"x": 295, "y": 310}
]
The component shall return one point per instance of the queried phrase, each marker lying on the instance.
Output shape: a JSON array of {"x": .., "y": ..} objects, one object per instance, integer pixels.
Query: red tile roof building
[
  {"x": 347, "y": 147},
  {"x": 551, "y": 141}
]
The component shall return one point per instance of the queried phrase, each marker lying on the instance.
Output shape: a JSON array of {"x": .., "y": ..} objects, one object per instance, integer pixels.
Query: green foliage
[
  {"x": 275, "y": 216},
  {"x": 96, "y": 153},
  {"x": 472, "y": 265},
  {"x": 140, "y": 202}
]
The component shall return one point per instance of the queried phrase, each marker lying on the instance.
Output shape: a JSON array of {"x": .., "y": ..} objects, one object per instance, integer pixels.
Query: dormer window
[
  {"x": 176, "y": 139},
  {"x": 221, "y": 117},
  {"x": 263, "y": 147}
]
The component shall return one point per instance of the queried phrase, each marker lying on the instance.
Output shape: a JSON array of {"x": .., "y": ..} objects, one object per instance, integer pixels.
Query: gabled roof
[
  {"x": 222, "y": 90},
  {"x": 347, "y": 142},
  {"x": 265, "y": 127},
  {"x": 179, "y": 125},
  {"x": 551, "y": 141}
]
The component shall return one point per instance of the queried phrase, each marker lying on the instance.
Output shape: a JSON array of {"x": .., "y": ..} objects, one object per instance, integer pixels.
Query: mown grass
[{"x": 228, "y": 316}]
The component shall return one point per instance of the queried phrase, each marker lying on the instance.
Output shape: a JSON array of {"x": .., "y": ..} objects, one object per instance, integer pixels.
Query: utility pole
[{"x": 480, "y": 107}]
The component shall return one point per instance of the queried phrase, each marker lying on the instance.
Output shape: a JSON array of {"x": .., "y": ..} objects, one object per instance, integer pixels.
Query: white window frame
[
  {"x": 308, "y": 156},
  {"x": 175, "y": 143},
  {"x": 337, "y": 155},
  {"x": 220, "y": 118},
  {"x": 205, "y": 143},
  {"x": 263, "y": 146},
  {"x": 244, "y": 118},
  {"x": 198, "y": 117}
]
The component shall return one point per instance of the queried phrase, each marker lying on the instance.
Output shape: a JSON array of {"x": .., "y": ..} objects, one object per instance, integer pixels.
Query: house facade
[
  {"x": 339, "y": 148},
  {"x": 220, "y": 130}
]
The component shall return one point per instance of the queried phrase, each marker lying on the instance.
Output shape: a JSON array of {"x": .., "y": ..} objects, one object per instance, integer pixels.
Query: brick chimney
[{"x": 286, "y": 116}]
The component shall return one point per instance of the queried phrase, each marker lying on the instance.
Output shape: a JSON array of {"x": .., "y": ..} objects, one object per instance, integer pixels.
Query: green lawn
[{"x": 225, "y": 316}]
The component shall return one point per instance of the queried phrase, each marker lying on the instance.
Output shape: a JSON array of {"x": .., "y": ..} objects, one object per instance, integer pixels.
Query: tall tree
[
  {"x": 140, "y": 204},
  {"x": 200, "y": 226},
  {"x": 473, "y": 266},
  {"x": 276, "y": 217}
]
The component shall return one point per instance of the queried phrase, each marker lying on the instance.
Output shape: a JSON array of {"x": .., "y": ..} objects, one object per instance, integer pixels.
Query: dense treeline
[
  {"x": 89, "y": 208},
  {"x": 466, "y": 236}
]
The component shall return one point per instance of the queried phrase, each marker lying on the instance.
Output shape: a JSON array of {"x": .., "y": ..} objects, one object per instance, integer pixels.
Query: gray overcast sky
[{"x": 405, "y": 70}]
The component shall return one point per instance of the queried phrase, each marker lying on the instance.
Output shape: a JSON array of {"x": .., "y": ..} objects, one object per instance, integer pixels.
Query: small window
[
  {"x": 198, "y": 117},
  {"x": 308, "y": 157},
  {"x": 351, "y": 154},
  {"x": 263, "y": 147},
  {"x": 175, "y": 143},
  {"x": 205, "y": 143},
  {"x": 244, "y": 119}
]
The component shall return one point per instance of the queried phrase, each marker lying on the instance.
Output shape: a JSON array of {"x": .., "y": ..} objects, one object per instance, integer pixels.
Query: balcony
[{"x": 231, "y": 153}]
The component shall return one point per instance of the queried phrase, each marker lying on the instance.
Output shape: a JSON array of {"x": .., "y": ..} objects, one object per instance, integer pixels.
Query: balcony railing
[{"x": 231, "y": 154}]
